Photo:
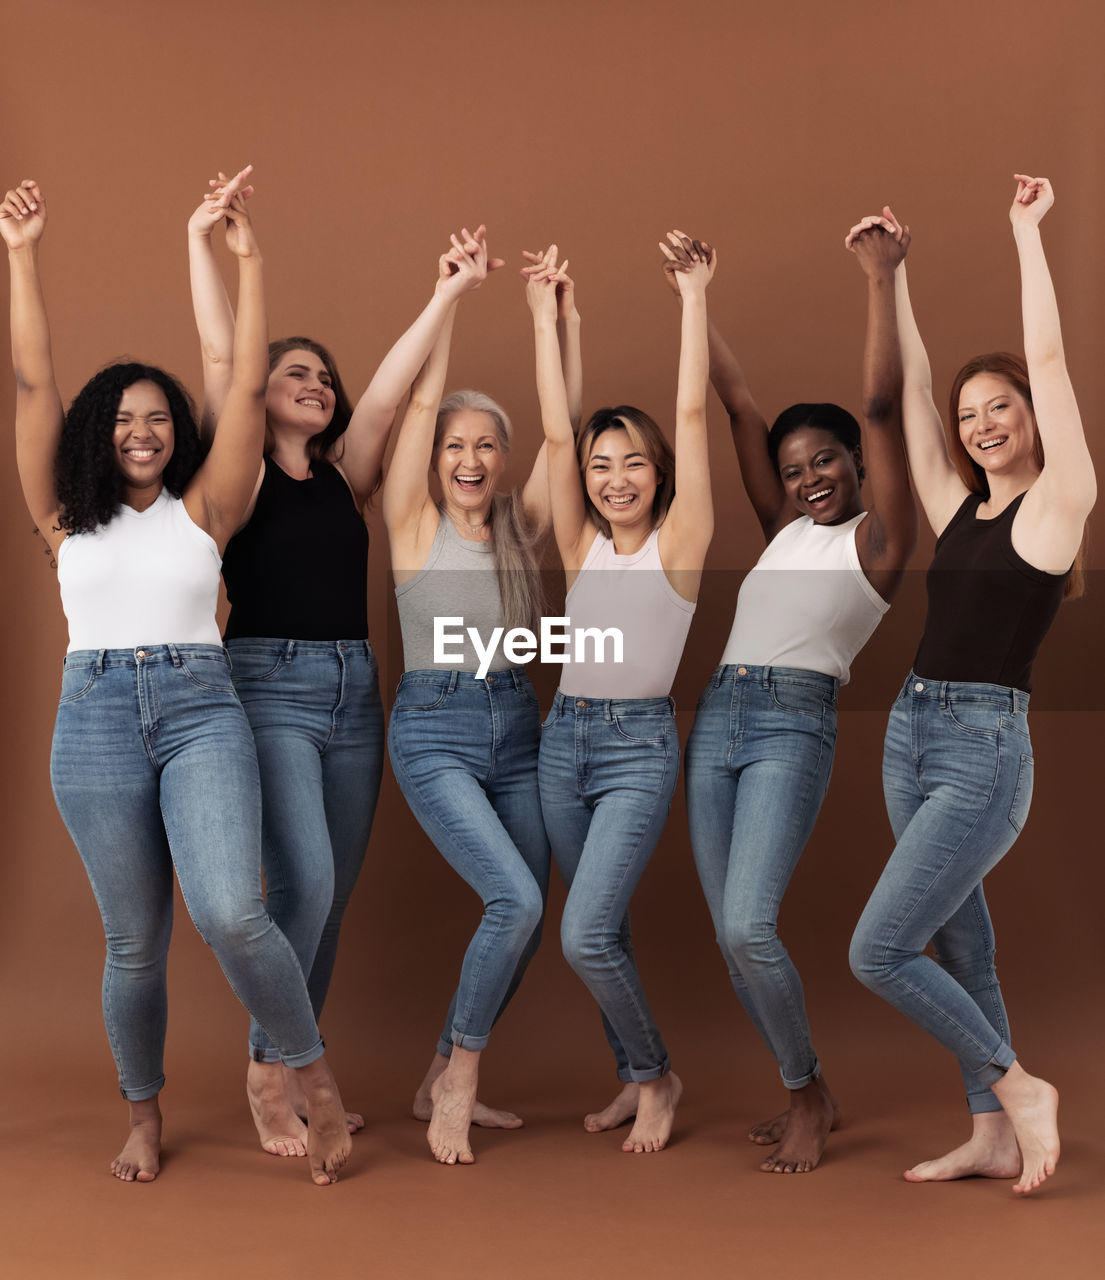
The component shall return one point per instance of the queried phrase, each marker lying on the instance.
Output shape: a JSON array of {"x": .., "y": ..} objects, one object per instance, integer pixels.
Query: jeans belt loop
[
  {"x": 100, "y": 661},
  {"x": 767, "y": 678},
  {"x": 289, "y": 651},
  {"x": 174, "y": 654},
  {"x": 454, "y": 675}
]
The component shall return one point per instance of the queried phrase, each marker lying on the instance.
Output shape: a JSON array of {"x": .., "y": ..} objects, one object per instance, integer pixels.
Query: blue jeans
[
  {"x": 608, "y": 769},
  {"x": 318, "y": 724},
  {"x": 758, "y": 765},
  {"x": 464, "y": 752},
  {"x": 153, "y": 768},
  {"x": 957, "y": 773}
]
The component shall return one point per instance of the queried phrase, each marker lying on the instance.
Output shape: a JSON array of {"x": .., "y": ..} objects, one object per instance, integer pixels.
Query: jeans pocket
[
  {"x": 420, "y": 695},
  {"x": 975, "y": 716},
  {"x": 1022, "y": 797},
  {"x": 208, "y": 671},
  {"x": 75, "y": 683},
  {"x": 256, "y": 664},
  {"x": 795, "y": 696},
  {"x": 641, "y": 728}
]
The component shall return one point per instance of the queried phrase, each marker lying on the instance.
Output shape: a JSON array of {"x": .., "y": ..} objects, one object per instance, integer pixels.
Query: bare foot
[
  {"x": 281, "y": 1131},
  {"x": 354, "y": 1121},
  {"x": 809, "y": 1121},
  {"x": 656, "y": 1103},
  {"x": 1032, "y": 1106},
  {"x": 768, "y": 1132},
  {"x": 328, "y": 1140},
  {"x": 140, "y": 1158},
  {"x": 623, "y": 1108},
  {"x": 454, "y": 1097},
  {"x": 484, "y": 1116},
  {"x": 991, "y": 1152}
]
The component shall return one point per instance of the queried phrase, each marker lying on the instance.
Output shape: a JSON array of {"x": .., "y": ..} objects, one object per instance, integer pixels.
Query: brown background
[{"x": 375, "y": 130}]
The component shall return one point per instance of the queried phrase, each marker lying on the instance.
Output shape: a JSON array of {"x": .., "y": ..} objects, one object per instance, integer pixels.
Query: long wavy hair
[
  {"x": 1003, "y": 364},
  {"x": 90, "y": 486},
  {"x": 510, "y": 535},
  {"x": 647, "y": 439}
]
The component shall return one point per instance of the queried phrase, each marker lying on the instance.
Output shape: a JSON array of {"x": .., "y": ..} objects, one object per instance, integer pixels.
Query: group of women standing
[{"x": 172, "y": 750}]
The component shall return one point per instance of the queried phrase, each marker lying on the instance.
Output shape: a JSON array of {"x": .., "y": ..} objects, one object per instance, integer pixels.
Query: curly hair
[{"x": 89, "y": 483}]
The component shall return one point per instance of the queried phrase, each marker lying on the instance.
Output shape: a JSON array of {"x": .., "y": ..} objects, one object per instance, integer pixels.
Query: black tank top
[
  {"x": 298, "y": 570},
  {"x": 988, "y": 610}
]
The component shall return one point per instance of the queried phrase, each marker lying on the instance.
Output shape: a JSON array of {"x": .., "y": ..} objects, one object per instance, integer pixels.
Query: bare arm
[
  {"x": 885, "y": 540},
  {"x": 38, "y": 408},
  {"x": 937, "y": 482},
  {"x": 573, "y": 530},
  {"x": 1049, "y": 527},
  {"x": 685, "y": 534},
  {"x": 210, "y": 304},
  {"x": 220, "y": 492},
  {"x": 408, "y": 508},
  {"x": 360, "y": 451}
]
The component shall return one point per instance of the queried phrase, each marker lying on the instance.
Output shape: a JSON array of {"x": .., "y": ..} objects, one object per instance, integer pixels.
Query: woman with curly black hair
[{"x": 153, "y": 766}]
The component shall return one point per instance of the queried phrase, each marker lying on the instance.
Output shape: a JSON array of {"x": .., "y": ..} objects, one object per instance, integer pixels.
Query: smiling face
[
  {"x": 820, "y": 476},
  {"x": 620, "y": 480},
  {"x": 997, "y": 427},
  {"x": 469, "y": 457},
  {"x": 143, "y": 440},
  {"x": 300, "y": 397}
]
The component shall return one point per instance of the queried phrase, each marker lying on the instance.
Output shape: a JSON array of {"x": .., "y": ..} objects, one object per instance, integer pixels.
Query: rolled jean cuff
[
  {"x": 982, "y": 1103},
  {"x": 808, "y": 1078},
  {"x": 143, "y": 1092},
  {"x": 634, "y": 1075},
  {"x": 305, "y": 1058},
  {"x": 993, "y": 1070},
  {"x": 263, "y": 1053},
  {"x": 474, "y": 1044},
  {"x": 445, "y": 1047}
]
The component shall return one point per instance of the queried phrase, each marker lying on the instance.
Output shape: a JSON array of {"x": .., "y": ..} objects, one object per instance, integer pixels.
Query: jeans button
[
  {"x": 140, "y": 653},
  {"x": 742, "y": 671},
  {"x": 581, "y": 704},
  {"x": 918, "y": 687}
]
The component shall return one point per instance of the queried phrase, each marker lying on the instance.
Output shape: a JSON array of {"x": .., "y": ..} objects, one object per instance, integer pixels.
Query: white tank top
[
  {"x": 807, "y": 603},
  {"x": 632, "y": 595},
  {"x": 145, "y": 577}
]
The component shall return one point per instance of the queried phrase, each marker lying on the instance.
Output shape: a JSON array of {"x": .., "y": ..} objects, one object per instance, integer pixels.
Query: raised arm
[
  {"x": 408, "y": 508},
  {"x": 360, "y": 451},
  {"x": 38, "y": 409},
  {"x": 573, "y": 530},
  {"x": 213, "y": 312},
  {"x": 937, "y": 482},
  {"x": 749, "y": 430},
  {"x": 1057, "y": 505},
  {"x": 220, "y": 492},
  {"x": 885, "y": 540},
  {"x": 689, "y": 526}
]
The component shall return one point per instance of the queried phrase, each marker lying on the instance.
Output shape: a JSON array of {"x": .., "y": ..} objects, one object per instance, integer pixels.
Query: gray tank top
[{"x": 459, "y": 581}]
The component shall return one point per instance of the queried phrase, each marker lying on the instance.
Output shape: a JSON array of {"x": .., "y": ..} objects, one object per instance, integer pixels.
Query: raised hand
[
  {"x": 466, "y": 265},
  {"x": 213, "y": 207},
  {"x": 545, "y": 263},
  {"x": 879, "y": 242},
  {"x": 23, "y": 215},
  {"x": 1033, "y": 199},
  {"x": 689, "y": 265},
  {"x": 240, "y": 239}
]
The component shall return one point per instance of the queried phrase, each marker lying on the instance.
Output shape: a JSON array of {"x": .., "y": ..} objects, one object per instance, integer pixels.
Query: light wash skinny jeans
[
  {"x": 464, "y": 752},
  {"x": 758, "y": 765},
  {"x": 318, "y": 725},
  {"x": 957, "y": 773},
  {"x": 153, "y": 768},
  {"x": 608, "y": 770}
]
